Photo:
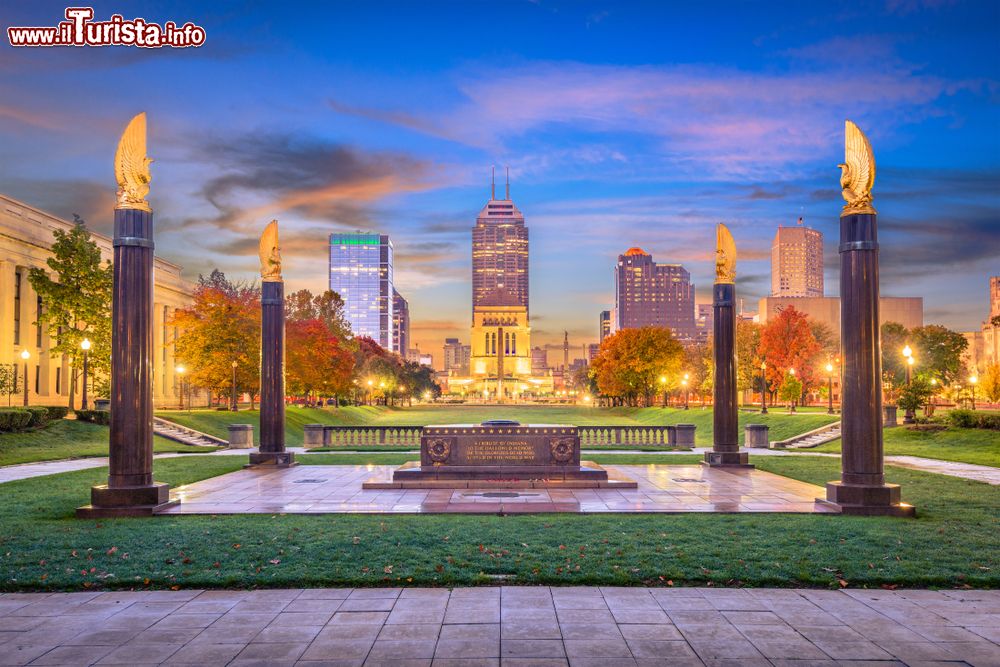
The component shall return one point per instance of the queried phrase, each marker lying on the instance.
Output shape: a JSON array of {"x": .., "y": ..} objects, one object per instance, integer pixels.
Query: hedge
[
  {"x": 973, "y": 419},
  {"x": 39, "y": 415},
  {"x": 94, "y": 416},
  {"x": 14, "y": 419},
  {"x": 57, "y": 411}
]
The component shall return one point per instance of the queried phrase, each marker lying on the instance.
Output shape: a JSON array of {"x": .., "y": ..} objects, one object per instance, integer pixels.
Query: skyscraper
[
  {"x": 500, "y": 254},
  {"x": 400, "y": 323},
  {"x": 605, "y": 324},
  {"x": 361, "y": 273},
  {"x": 797, "y": 262},
  {"x": 651, "y": 294},
  {"x": 456, "y": 356}
]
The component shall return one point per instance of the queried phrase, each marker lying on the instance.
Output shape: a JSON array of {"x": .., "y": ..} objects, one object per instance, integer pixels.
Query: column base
[
  {"x": 865, "y": 500},
  {"x": 727, "y": 460},
  {"x": 271, "y": 459},
  {"x": 108, "y": 502}
]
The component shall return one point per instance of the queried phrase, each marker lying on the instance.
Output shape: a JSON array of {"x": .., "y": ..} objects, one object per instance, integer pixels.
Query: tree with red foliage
[
  {"x": 317, "y": 363},
  {"x": 788, "y": 342}
]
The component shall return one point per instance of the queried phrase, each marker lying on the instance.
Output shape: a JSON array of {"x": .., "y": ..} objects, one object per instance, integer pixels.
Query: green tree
[
  {"x": 76, "y": 300},
  {"x": 790, "y": 391},
  {"x": 938, "y": 351},
  {"x": 894, "y": 337},
  {"x": 747, "y": 357},
  {"x": 916, "y": 394}
]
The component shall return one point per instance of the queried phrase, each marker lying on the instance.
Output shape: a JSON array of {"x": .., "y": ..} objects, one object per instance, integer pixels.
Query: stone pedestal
[
  {"x": 862, "y": 488},
  {"x": 756, "y": 436},
  {"x": 272, "y": 378},
  {"x": 130, "y": 490},
  {"x": 725, "y": 418},
  {"x": 684, "y": 435},
  {"x": 240, "y": 436},
  {"x": 889, "y": 416},
  {"x": 312, "y": 436}
]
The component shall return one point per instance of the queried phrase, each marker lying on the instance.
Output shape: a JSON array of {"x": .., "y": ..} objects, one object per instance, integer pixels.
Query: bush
[
  {"x": 57, "y": 411},
  {"x": 39, "y": 415},
  {"x": 972, "y": 419},
  {"x": 14, "y": 419},
  {"x": 94, "y": 416},
  {"x": 989, "y": 421}
]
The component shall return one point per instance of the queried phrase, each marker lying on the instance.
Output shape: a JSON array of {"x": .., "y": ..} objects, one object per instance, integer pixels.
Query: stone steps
[{"x": 184, "y": 435}]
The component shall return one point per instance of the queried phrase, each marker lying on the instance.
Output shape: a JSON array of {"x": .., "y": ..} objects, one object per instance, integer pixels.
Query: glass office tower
[{"x": 361, "y": 273}]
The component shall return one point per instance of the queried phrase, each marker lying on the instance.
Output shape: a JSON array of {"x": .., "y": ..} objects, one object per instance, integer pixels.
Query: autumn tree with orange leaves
[
  {"x": 787, "y": 342},
  {"x": 632, "y": 361}
]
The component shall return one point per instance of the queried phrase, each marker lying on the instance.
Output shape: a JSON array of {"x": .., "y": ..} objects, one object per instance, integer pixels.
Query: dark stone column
[
  {"x": 725, "y": 434},
  {"x": 862, "y": 488},
  {"x": 272, "y": 378},
  {"x": 130, "y": 490}
]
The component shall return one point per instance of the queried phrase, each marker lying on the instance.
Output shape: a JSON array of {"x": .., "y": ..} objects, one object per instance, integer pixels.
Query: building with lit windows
[
  {"x": 400, "y": 323},
  {"x": 361, "y": 273},
  {"x": 797, "y": 262},
  {"x": 651, "y": 294},
  {"x": 606, "y": 325}
]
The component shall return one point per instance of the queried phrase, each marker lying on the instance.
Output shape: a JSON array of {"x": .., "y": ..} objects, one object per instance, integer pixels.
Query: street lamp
[
  {"x": 908, "y": 355},
  {"x": 791, "y": 403},
  {"x": 972, "y": 381},
  {"x": 85, "y": 346},
  {"x": 25, "y": 355},
  {"x": 368, "y": 394},
  {"x": 763, "y": 387},
  {"x": 234, "y": 406},
  {"x": 180, "y": 371},
  {"x": 663, "y": 385},
  {"x": 684, "y": 383},
  {"x": 829, "y": 388}
]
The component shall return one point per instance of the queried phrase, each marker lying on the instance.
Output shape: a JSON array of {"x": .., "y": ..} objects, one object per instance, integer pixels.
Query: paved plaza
[
  {"x": 337, "y": 489},
  {"x": 523, "y": 626}
]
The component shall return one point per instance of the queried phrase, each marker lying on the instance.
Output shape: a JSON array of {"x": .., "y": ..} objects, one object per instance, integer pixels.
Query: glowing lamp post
[
  {"x": 85, "y": 346},
  {"x": 972, "y": 383},
  {"x": 829, "y": 389},
  {"x": 763, "y": 387},
  {"x": 663, "y": 385},
  {"x": 25, "y": 355},
  {"x": 234, "y": 407},
  {"x": 908, "y": 355},
  {"x": 684, "y": 383},
  {"x": 180, "y": 371},
  {"x": 791, "y": 402},
  {"x": 368, "y": 394}
]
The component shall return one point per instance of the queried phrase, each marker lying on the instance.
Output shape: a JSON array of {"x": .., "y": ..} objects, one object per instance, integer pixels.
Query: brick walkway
[{"x": 536, "y": 626}]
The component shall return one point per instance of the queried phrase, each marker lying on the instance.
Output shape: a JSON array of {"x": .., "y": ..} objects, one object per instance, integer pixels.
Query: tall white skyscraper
[
  {"x": 797, "y": 262},
  {"x": 361, "y": 273}
]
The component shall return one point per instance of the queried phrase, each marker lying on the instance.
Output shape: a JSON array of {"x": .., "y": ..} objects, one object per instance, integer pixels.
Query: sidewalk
[{"x": 537, "y": 626}]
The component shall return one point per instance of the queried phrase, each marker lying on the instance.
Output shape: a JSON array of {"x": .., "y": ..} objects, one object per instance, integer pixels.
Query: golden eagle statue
[
  {"x": 270, "y": 254},
  {"x": 132, "y": 166},
  {"x": 725, "y": 256},
  {"x": 857, "y": 172}
]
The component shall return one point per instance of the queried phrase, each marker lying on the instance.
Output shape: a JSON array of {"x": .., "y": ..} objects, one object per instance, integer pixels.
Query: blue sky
[{"x": 623, "y": 124}]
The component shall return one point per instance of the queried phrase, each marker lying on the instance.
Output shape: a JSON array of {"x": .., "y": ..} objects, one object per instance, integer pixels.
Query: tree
[
  {"x": 938, "y": 351},
  {"x": 790, "y": 391},
  {"x": 747, "y": 357},
  {"x": 316, "y": 362},
  {"x": 894, "y": 337},
  {"x": 8, "y": 380},
  {"x": 787, "y": 342},
  {"x": 221, "y": 326},
  {"x": 632, "y": 361},
  {"x": 77, "y": 303},
  {"x": 989, "y": 383},
  {"x": 915, "y": 395}
]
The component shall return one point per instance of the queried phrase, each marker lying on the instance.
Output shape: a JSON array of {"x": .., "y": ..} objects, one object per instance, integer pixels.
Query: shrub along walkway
[{"x": 536, "y": 626}]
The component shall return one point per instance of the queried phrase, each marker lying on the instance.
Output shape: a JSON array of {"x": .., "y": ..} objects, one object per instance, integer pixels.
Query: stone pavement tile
[
  {"x": 839, "y": 650},
  {"x": 486, "y": 632},
  {"x": 260, "y": 605},
  {"x": 158, "y": 635},
  {"x": 73, "y": 655},
  {"x": 187, "y": 620},
  {"x": 527, "y": 613},
  {"x": 20, "y": 623},
  {"x": 886, "y": 630},
  {"x": 226, "y": 634},
  {"x": 738, "y": 662},
  {"x": 591, "y": 630},
  {"x": 655, "y": 632},
  {"x": 576, "y": 601},
  {"x": 752, "y": 617},
  {"x": 373, "y": 593},
  {"x": 368, "y": 604},
  {"x": 945, "y": 633},
  {"x": 411, "y": 616},
  {"x": 466, "y": 648},
  {"x": 663, "y": 650},
  {"x": 836, "y": 633},
  {"x": 138, "y": 652},
  {"x": 988, "y": 632},
  {"x": 630, "y": 615},
  {"x": 472, "y": 615},
  {"x": 531, "y": 648},
  {"x": 724, "y": 648},
  {"x": 313, "y": 605},
  {"x": 684, "y": 603},
  {"x": 798, "y": 618},
  {"x": 596, "y": 648},
  {"x": 362, "y": 617},
  {"x": 173, "y": 596},
  {"x": 409, "y": 631},
  {"x": 102, "y": 637},
  {"x": 584, "y": 616},
  {"x": 338, "y": 649},
  {"x": 720, "y": 632},
  {"x": 325, "y": 594},
  {"x": 18, "y": 653},
  {"x": 199, "y": 606},
  {"x": 298, "y": 618},
  {"x": 733, "y": 600},
  {"x": 913, "y": 651},
  {"x": 788, "y": 650},
  {"x": 274, "y": 652},
  {"x": 770, "y": 633},
  {"x": 205, "y": 654},
  {"x": 465, "y": 662},
  {"x": 530, "y": 629},
  {"x": 698, "y": 617},
  {"x": 804, "y": 663},
  {"x": 404, "y": 649},
  {"x": 533, "y": 662},
  {"x": 280, "y": 634},
  {"x": 602, "y": 662},
  {"x": 669, "y": 662},
  {"x": 349, "y": 631}
]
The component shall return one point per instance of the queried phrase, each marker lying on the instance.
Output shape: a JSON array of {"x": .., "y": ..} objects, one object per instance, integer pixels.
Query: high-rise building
[
  {"x": 605, "y": 324},
  {"x": 361, "y": 273},
  {"x": 539, "y": 361},
  {"x": 456, "y": 356},
  {"x": 651, "y": 294},
  {"x": 593, "y": 349},
  {"x": 797, "y": 262},
  {"x": 500, "y": 254},
  {"x": 400, "y": 322}
]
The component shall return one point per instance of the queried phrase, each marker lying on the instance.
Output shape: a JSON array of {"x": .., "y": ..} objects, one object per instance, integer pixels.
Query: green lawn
[
  {"x": 967, "y": 445},
  {"x": 68, "y": 438},
  {"x": 216, "y": 422},
  {"x": 952, "y": 543}
]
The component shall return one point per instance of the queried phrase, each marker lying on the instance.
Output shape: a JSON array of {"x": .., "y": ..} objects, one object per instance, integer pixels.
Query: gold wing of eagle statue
[
  {"x": 725, "y": 255},
  {"x": 857, "y": 174},
  {"x": 270, "y": 254},
  {"x": 132, "y": 166}
]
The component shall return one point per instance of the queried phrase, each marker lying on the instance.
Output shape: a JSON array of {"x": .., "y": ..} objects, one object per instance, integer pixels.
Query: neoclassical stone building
[{"x": 26, "y": 235}]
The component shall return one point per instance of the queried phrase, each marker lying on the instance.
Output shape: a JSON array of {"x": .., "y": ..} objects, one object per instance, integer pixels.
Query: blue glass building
[{"x": 361, "y": 273}]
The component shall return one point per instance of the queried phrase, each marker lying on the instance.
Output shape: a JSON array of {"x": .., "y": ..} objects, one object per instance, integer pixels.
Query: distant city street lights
[
  {"x": 180, "y": 371},
  {"x": 972, "y": 382},
  {"x": 763, "y": 387},
  {"x": 25, "y": 355},
  {"x": 908, "y": 416},
  {"x": 85, "y": 346},
  {"x": 233, "y": 403},
  {"x": 829, "y": 388}
]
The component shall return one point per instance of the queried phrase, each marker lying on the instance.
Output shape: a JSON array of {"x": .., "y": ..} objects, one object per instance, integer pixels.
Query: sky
[{"x": 623, "y": 124}]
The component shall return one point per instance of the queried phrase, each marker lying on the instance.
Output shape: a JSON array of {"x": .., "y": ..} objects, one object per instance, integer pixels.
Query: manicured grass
[
  {"x": 967, "y": 445},
  {"x": 68, "y": 438},
  {"x": 216, "y": 422},
  {"x": 952, "y": 543}
]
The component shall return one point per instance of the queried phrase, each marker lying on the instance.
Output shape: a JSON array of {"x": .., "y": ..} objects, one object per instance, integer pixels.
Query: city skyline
[{"x": 603, "y": 124}]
